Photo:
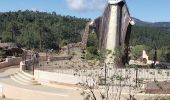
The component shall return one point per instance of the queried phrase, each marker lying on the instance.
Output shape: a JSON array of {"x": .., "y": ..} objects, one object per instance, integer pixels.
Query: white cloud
[
  {"x": 86, "y": 5},
  {"x": 34, "y": 9}
]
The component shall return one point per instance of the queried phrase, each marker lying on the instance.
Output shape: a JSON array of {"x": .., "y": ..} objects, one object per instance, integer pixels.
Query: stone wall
[
  {"x": 60, "y": 58},
  {"x": 10, "y": 62},
  {"x": 54, "y": 58}
]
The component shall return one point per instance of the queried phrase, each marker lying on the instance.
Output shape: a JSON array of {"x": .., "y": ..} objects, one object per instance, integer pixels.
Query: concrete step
[
  {"x": 23, "y": 82},
  {"x": 27, "y": 74},
  {"x": 24, "y": 78},
  {"x": 19, "y": 81}
]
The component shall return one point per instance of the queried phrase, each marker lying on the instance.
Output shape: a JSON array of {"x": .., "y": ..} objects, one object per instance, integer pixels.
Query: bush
[
  {"x": 92, "y": 40},
  {"x": 89, "y": 56},
  {"x": 163, "y": 98},
  {"x": 91, "y": 53},
  {"x": 2, "y": 54},
  {"x": 92, "y": 50},
  {"x": 168, "y": 57}
]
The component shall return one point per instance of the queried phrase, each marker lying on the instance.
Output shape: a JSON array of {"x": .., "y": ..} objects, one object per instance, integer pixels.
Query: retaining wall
[
  {"x": 10, "y": 62},
  {"x": 53, "y": 78},
  {"x": 60, "y": 58},
  {"x": 48, "y": 77}
]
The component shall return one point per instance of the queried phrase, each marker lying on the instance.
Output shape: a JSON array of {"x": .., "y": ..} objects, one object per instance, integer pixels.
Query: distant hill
[
  {"x": 140, "y": 22},
  {"x": 165, "y": 25},
  {"x": 148, "y": 35},
  {"x": 161, "y": 25}
]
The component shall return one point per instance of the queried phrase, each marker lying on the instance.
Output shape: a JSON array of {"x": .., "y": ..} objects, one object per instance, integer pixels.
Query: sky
[{"x": 146, "y": 10}]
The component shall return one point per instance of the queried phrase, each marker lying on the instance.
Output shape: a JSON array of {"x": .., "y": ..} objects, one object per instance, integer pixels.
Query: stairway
[{"x": 24, "y": 78}]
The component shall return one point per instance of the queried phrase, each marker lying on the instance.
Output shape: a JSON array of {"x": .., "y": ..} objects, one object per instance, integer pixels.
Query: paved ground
[
  {"x": 5, "y": 79},
  {"x": 41, "y": 88}
]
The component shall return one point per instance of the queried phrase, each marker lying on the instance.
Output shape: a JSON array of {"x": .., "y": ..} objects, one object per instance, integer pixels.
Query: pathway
[{"x": 6, "y": 81}]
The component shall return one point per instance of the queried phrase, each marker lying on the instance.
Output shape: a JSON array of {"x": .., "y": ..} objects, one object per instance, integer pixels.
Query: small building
[{"x": 11, "y": 49}]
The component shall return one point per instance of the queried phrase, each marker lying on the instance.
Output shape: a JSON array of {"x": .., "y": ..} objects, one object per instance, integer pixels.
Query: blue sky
[{"x": 147, "y": 10}]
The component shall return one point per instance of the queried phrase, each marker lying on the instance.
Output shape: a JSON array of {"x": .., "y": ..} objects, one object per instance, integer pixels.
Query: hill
[
  {"x": 165, "y": 25},
  {"x": 40, "y": 30},
  {"x": 150, "y": 36}
]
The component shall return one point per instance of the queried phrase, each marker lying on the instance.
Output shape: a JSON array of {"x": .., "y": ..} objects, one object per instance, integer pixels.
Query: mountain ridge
[{"x": 165, "y": 25}]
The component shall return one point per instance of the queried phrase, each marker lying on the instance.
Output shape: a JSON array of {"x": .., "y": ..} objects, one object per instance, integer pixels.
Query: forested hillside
[
  {"x": 40, "y": 30},
  {"x": 149, "y": 38}
]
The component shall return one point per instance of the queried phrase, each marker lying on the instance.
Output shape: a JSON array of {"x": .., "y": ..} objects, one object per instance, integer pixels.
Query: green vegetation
[
  {"x": 147, "y": 38},
  {"x": 137, "y": 51},
  {"x": 91, "y": 53},
  {"x": 142, "y": 38},
  {"x": 2, "y": 53},
  {"x": 92, "y": 50},
  {"x": 40, "y": 30},
  {"x": 162, "y": 98}
]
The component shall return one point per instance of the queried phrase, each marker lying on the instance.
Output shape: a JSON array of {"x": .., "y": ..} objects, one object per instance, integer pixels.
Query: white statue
[
  {"x": 114, "y": 1},
  {"x": 145, "y": 57}
]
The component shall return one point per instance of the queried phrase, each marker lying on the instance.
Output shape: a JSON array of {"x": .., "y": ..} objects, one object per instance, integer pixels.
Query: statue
[
  {"x": 145, "y": 57},
  {"x": 113, "y": 28}
]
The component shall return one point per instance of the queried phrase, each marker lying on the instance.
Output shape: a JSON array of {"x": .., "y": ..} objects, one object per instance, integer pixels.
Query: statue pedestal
[{"x": 22, "y": 66}]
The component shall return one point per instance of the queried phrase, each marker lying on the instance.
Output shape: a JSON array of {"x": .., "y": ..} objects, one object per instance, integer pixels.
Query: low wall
[
  {"x": 54, "y": 58},
  {"x": 60, "y": 58},
  {"x": 10, "y": 62},
  {"x": 51, "y": 77},
  {"x": 72, "y": 77},
  {"x": 42, "y": 58},
  {"x": 48, "y": 78}
]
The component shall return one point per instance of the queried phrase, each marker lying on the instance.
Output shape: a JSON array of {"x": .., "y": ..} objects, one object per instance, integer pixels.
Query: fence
[{"x": 130, "y": 75}]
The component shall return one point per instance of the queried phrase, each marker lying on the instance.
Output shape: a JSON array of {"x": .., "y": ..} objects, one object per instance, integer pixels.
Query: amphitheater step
[{"x": 24, "y": 79}]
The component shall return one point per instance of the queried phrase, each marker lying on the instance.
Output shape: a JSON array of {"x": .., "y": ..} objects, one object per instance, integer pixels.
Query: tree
[
  {"x": 6, "y": 36},
  {"x": 40, "y": 30},
  {"x": 92, "y": 40}
]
